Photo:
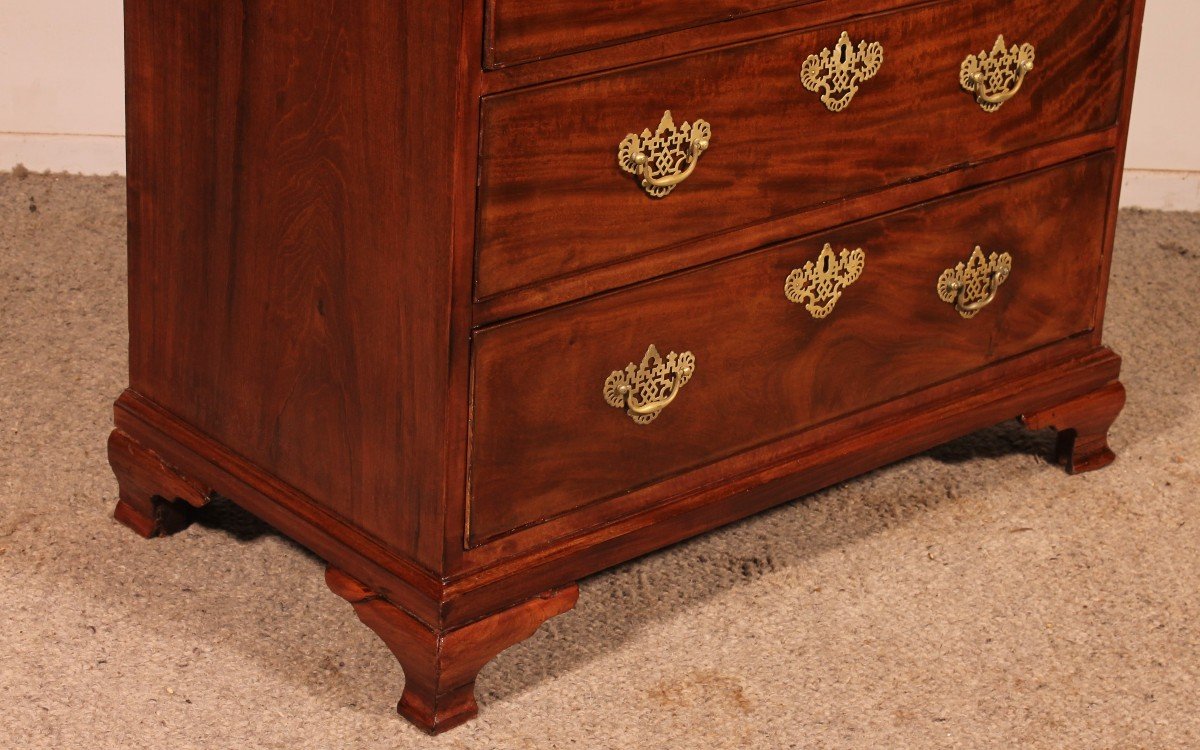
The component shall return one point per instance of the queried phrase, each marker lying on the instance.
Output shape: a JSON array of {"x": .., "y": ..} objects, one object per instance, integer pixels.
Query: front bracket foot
[
  {"x": 1083, "y": 424},
  {"x": 155, "y": 499},
  {"x": 440, "y": 667}
]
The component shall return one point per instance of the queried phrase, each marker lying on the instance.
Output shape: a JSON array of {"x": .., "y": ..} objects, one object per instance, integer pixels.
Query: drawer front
[
  {"x": 523, "y": 30},
  {"x": 555, "y": 202},
  {"x": 761, "y": 367}
]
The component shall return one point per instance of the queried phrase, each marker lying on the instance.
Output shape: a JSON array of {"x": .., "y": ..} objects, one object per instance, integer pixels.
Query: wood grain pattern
[
  {"x": 565, "y": 289},
  {"x": 554, "y": 203},
  {"x": 742, "y": 29},
  {"x": 545, "y": 441},
  {"x": 440, "y": 667},
  {"x": 496, "y": 576},
  {"x": 857, "y": 444},
  {"x": 523, "y": 30},
  {"x": 191, "y": 453},
  {"x": 284, "y": 298}
]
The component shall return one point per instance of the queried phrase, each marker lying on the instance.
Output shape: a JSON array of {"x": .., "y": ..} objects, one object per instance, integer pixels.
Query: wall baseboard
[
  {"x": 1166, "y": 190},
  {"x": 1161, "y": 189},
  {"x": 83, "y": 154}
]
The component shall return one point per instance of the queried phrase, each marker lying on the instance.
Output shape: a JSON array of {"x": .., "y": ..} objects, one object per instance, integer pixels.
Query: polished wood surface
[
  {"x": 523, "y": 30},
  {"x": 552, "y": 293},
  {"x": 496, "y": 576},
  {"x": 355, "y": 297},
  {"x": 738, "y": 489},
  {"x": 554, "y": 203},
  {"x": 741, "y": 29},
  {"x": 180, "y": 450},
  {"x": 545, "y": 442},
  {"x": 282, "y": 298}
]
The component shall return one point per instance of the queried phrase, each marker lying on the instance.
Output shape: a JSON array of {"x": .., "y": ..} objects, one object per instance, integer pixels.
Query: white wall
[
  {"x": 1163, "y": 164},
  {"x": 62, "y": 99},
  {"x": 62, "y": 104}
]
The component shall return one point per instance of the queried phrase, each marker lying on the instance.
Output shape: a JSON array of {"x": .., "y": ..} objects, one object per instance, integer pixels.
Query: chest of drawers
[{"x": 474, "y": 299}]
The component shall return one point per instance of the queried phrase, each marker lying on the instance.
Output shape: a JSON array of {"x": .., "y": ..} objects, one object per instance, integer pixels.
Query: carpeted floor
[{"x": 974, "y": 597}]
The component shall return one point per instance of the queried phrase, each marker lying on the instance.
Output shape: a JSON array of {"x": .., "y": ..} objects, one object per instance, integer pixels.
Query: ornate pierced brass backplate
[
  {"x": 995, "y": 77},
  {"x": 972, "y": 286},
  {"x": 835, "y": 74},
  {"x": 667, "y": 157},
  {"x": 643, "y": 391},
  {"x": 819, "y": 285}
]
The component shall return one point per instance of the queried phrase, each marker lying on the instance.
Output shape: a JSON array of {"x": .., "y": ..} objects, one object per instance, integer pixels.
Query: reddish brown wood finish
[
  {"x": 154, "y": 497},
  {"x": 690, "y": 254},
  {"x": 740, "y": 488},
  {"x": 765, "y": 367},
  {"x": 496, "y": 576},
  {"x": 523, "y": 30},
  {"x": 1083, "y": 424},
  {"x": 553, "y": 201},
  {"x": 440, "y": 667},
  {"x": 282, "y": 296},
  {"x": 693, "y": 39},
  {"x": 302, "y": 276}
]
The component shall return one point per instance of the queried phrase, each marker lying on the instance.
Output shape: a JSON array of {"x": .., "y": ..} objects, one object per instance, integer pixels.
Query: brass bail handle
[
  {"x": 671, "y": 180},
  {"x": 995, "y": 279},
  {"x": 665, "y": 158},
  {"x": 973, "y": 284},
  {"x": 995, "y": 77},
  {"x": 654, "y": 407},
  {"x": 984, "y": 97},
  {"x": 644, "y": 390}
]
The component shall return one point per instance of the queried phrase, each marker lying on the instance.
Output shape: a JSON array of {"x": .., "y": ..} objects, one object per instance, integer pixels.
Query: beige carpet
[{"x": 974, "y": 597}]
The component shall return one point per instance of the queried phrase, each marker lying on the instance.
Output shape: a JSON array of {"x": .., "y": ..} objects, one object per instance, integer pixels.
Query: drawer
[
  {"x": 554, "y": 201},
  {"x": 523, "y": 30},
  {"x": 546, "y": 441}
]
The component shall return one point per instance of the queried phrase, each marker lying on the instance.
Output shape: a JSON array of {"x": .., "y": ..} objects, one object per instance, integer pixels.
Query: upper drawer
[
  {"x": 554, "y": 201},
  {"x": 523, "y": 30}
]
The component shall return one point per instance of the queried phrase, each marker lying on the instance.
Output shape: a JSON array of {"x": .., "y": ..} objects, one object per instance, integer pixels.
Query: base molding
[
  {"x": 475, "y": 586},
  {"x": 183, "y": 451}
]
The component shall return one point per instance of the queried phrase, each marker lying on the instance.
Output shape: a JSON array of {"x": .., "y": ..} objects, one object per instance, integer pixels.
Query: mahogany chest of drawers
[{"x": 476, "y": 298}]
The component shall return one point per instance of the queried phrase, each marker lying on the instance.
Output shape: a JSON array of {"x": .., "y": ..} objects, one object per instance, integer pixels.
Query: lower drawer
[{"x": 858, "y": 329}]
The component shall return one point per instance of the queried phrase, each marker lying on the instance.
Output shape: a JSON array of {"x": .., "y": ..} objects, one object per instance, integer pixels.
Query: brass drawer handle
[
  {"x": 644, "y": 391},
  {"x": 820, "y": 284},
  {"x": 667, "y": 157},
  {"x": 995, "y": 77},
  {"x": 835, "y": 74},
  {"x": 972, "y": 286}
]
